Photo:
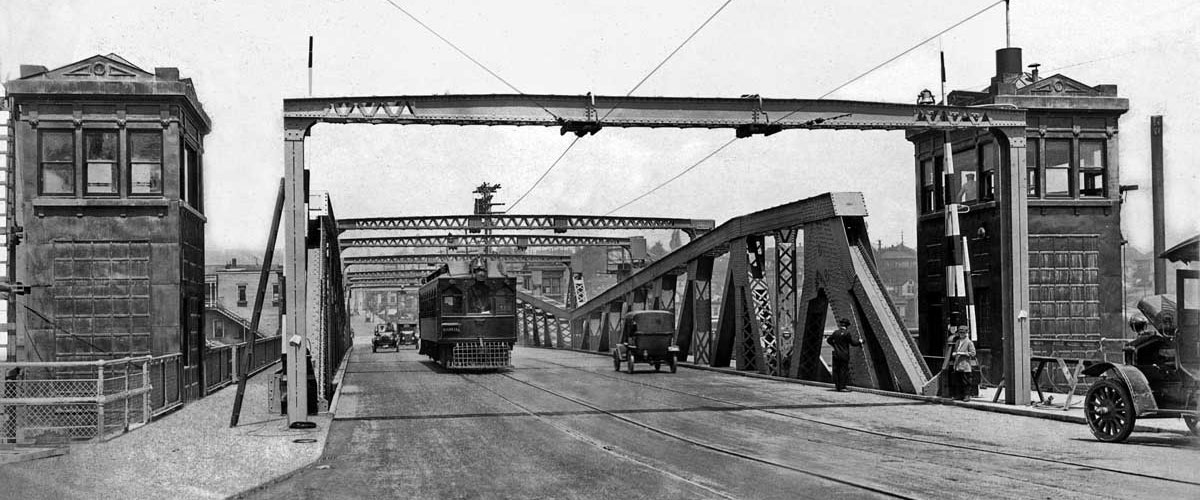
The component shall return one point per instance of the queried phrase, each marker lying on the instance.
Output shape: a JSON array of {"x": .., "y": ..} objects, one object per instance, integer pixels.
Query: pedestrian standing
[
  {"x": 841, "y": 340},
  {"x": 955, "y": 389},
  {"x": 964, "y": 365}
]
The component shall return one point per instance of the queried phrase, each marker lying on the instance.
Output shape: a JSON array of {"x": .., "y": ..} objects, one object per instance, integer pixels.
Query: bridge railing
[{"x": 63, "y": 402}]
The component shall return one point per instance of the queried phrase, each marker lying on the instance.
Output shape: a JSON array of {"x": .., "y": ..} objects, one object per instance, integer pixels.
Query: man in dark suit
[{"x": 841, "y": 340}]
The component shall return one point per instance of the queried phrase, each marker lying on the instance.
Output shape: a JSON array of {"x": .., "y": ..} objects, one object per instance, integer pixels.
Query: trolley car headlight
[{"x": 673, "y": 348}]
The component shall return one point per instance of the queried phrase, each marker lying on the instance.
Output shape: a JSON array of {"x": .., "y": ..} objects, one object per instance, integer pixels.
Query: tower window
[
  {"x": 100, "y": 151},
  {"x": 1091, "y": 168},
  {"x": 1058, "y": 167},
  {"x": 57, "y": 162}
]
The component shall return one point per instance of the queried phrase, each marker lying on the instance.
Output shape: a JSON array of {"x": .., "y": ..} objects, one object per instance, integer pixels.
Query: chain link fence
[{"x": 64, "y": 402}]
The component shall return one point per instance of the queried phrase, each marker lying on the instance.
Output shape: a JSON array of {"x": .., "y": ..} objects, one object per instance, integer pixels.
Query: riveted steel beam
[
  {"x": 391, "y": 273},
  {"x": 492, "y": 240},
  {"x": 437, "y": 259},
  {"x": 558, "y": 223},
  {"x": 575, "y": 113}
]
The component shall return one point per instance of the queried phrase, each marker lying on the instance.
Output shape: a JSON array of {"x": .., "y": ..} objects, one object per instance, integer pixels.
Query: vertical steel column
[
  {"x": 766, "y": 343},
  {"x": 296, "y": 270},
  {"x": 697, "y": 312},
  {"x": 785, "y": 295},
  {"x": 666, "y": 292},
  {"x": 1158, "y": 203},
  {"x": 1012, "y": 199}
]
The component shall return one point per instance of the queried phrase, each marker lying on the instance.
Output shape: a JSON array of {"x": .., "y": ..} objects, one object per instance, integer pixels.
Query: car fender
[{"x": 1135, "y": 381}]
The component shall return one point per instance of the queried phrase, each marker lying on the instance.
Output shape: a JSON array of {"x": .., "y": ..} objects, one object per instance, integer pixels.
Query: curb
[
  {"x": 337, "y": 381},
  {"x": 1010, "y": 410}
]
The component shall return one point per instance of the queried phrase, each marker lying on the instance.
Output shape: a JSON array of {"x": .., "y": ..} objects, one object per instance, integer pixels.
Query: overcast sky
[{"x": 246, "y": 57}]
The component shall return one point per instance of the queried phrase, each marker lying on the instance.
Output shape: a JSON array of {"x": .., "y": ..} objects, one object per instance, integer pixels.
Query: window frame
[
  {"x": 131, "y": 163},
  {"x": 114, "y": 165},
  {"x": 1102, "y": 169},
  {"x": 41, "y": 170},
  {"x": 1071, "y": 191}
]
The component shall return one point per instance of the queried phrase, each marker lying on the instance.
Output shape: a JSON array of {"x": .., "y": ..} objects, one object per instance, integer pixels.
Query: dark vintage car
[
  {"x": 408, "y": 335},
  {"x": 385, "y": 337},
  {"x": 647, "y": 337}
]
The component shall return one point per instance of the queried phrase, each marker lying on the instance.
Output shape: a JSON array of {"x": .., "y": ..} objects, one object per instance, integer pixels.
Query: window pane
[
  {"x": 102, "y": 178},
  {"x": 145, "y": 178},
  {"x": 1091, "y": 154},
  {"x": 1058, "y": 154},
  {"x": 927, "y": 172},
  {"x": 58, "y": 178},
  {"x": 1033, "y": 180},
  {"x": 145, "y": 146},
  {"x": 1058, "y": 182},
  {"x": 964, "y": 168},
  {"x": 100, "y": 145},
  {"x": 1091, "y": 183},
  {"x": 1032, "y": 152},
  {"x": 58, "y": 146}
]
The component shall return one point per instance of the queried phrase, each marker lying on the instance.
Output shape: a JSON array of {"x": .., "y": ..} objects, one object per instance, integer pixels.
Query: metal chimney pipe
[{"x": 1158, "y": 202}]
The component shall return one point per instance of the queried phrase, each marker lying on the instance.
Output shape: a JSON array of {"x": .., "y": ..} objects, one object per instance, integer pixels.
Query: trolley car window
[
  {"x": 479, "y": 299},
  {"x": 452, "y": 302},
  {"x": 504, "y": 302}
]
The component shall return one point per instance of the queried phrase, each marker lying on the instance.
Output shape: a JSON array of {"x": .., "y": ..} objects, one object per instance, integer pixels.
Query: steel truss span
[
  {"x": 535, "y": 222},
  {"x": 581, "y": 114},
  {"x": 436, "y": 259},
  {"x": 513, "y": 240}
]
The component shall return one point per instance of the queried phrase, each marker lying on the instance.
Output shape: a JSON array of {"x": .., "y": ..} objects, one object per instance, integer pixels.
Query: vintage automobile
[
  {"x": 385, "y": 336},
  {"x": 1160, "y": 377},
  {"x": 647, "y": 337},
  {"x": 408, "y": 335}
]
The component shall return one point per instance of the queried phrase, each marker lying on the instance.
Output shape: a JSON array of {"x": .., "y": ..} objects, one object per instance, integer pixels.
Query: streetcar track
[
  {"x": 588, "y": 440},
  {"x": 883, "y": 434},
  {"x": 707, "y": 446},
  {"x": 693, "y": 409}
]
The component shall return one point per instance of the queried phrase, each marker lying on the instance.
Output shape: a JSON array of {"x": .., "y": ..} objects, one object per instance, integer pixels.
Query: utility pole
[{"x": 483, "y": 206}]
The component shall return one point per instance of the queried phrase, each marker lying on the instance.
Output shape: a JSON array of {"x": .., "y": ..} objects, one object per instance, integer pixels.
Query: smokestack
[{"x": 1158, "y": 202}]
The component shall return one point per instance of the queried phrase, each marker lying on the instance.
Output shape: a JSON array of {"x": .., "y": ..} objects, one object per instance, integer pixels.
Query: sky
[{"x": 246, "y": 57}]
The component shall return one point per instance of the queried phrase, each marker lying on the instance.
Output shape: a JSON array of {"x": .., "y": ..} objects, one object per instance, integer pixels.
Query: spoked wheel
[
  {"x": 616, "y": 361},
  {"x": 657, "y": 366},
  {"x": 1109, "y": 411},
  {"x": 1193, "y": 421},
  {"x": 671, "y": 364},
  {"x": 629, "y": 367},
  {"x": 1193, "y": 424}
]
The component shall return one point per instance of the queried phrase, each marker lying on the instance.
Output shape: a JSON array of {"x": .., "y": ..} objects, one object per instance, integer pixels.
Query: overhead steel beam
[
  {"x": 384, "y": 280},
  {"x": 558, "y": 223},
  {"x": 580, "y": 114},
  {"x": 492, "y": 240},
  {"x": 436, "y": 259},
  {"x": 767, "y": 221},
  {"x": 391, "y": 273}
]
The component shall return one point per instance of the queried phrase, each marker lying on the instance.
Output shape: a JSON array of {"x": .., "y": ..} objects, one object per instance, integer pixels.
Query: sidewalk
[{"x": 191, "y": 453}]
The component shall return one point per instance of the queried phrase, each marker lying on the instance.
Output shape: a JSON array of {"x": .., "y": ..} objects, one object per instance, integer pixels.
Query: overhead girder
[
  {"x": 391, "y": 273},
  {"x": 587, "y": 114},
  {"x": 398, "y": 280},
  {"x": 557, "y": 223},
  {"x": 486, "y": 240},
  {"x": 437, "y": 259}
]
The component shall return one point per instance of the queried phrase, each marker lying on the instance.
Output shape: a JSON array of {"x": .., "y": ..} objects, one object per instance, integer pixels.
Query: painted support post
[
  {"x": 785, "y": 295},
  {"x": 296, "y": 271},
  {"x": 99, "y": 398},
  {"x": 146, "y": 403},
  {"x": 1013, "y": 201},
  {"x": 666, "y": 292}
]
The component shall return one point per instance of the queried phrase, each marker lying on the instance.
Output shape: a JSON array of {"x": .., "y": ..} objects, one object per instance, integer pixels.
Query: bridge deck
[{"x": 565, "y": 425}]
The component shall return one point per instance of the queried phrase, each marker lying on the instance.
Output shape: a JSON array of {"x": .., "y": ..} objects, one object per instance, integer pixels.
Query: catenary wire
[
  {"x": 627, "y": 94},
  {"x": 827, "y": 94},
  {"x": 472, "y": 59}
]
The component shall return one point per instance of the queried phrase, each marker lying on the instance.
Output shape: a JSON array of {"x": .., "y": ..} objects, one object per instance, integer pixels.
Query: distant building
[
  {"x": 897, "y": 266},
  {"x": 107, "y": 201},
  {"x": 229, "y": 292}
]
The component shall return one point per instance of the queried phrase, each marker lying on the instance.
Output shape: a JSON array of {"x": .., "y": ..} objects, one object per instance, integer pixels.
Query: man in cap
[{"x": 841, "y": 340}]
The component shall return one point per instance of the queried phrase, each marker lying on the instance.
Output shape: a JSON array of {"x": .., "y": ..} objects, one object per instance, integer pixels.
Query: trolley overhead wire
[
  {"x": 627, "y": 94},
  {"x": 472, "y": 59},
  {"x": 827, "y": 94}
]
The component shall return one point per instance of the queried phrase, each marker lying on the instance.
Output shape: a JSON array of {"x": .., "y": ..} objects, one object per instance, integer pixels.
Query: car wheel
[
  {"x": 1109, "y": 411},
  {"x": 629, "y": 367},
  {"x": 658, "y": 366},
  {"x": 616, "y": 361},
  {"x": 671, "y": 364}
]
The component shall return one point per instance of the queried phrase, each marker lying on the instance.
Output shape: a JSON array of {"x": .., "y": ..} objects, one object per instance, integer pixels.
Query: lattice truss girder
[
  {"x": 494, "y": 240},
  {"x": 430, "y": 261},
  {"x": 582, "y": 112},
  {"x": 534, "y": 222}
]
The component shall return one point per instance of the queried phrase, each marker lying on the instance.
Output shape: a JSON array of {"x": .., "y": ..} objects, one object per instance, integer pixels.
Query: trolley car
[{"x": 468, "y": 320}]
